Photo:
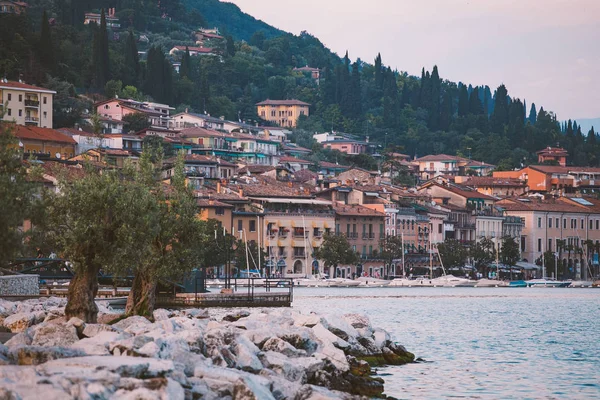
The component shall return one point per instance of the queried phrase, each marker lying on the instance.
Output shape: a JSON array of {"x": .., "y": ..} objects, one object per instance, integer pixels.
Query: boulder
[
  {"x": 341, "y": 328},
  {"x": 283, "y": 347},
  {"x": 19, "y": 322},
  {"x": 107, "y": 318},
  {"x": 20, "y": 339},
  {"x": 135, "y": 325},
  {"x": 236, "y": 316},
  {"x": 124, "y": 366},
  {"x": 324, "y": 335},
  {"x": 34, "y": 355},
  {"x": 161, "y": 314},
  {"x": 91, "y": 330},
  {"x": 128, "y": 345},
  {"x": 361, "y": 323},
  {"x": 307, "y": 320},
  {"x": 246, "y": 355},
  {"x": 290, "y": 369},
  {"x": 196, "y": 313},
  {"x": 55, "y": 334},
  {"x": 97, "y": 345}
]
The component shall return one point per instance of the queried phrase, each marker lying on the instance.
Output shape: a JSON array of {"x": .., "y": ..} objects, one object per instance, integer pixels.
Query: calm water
[{"x": 487, "y": 343}]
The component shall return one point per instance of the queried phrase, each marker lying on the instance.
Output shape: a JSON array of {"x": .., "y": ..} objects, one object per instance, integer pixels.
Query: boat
[
  {"x": 344, "y": 282},
  {"x": 546, "y": 282},
  {"x": 320, "y": 280},
  {"x": 453, "y": 281},
  {"x": 581, "y": 284},
  {"x": 215, "y": 283},
  {"x": 371, "y": 282},
  {"x": 401, "y": 282},
  {"x": 490, "y": 283},
  {"x": 520, "y": 283}
]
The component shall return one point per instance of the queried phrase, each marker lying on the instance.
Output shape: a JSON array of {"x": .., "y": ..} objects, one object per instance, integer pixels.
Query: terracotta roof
[
  {"x": 356, "y": 210},
  {"x": 197, "y": 132},
  {"x": 553, "y": 151},
  {"x": 269, "y": 102},
  {"x": 473, "y": 163},
  {"x": 555, "y": 169},
  {"x": 19, "y": 85},
  {"x": 42, "y": 134},
  {"x": 305, "y": 175},
  {"x": 264, "y": 186},
  {"x": 534, "y": 204},
  {"x": 204, "y": 50},
  {"x": 493, "y": 181},
  {"x": 329, "y": 165},
  {"x": 202, "y": 159},
  {"x": 288, "y": 148},
  {"x": 256, "y": 169},
  {"x": 211, "y": 203},
  {"x": 438, "y": 157},
  {"x": 464, "y": 192},
  {"x": 210, "y": 35},
  {"x": 288, "y": 159}
]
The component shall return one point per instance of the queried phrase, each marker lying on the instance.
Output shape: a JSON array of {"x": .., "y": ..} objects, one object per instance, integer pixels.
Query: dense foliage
[{"x": 425, "y": 115}]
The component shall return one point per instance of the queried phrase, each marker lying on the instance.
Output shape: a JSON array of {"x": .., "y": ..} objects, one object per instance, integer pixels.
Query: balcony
[
  {"x": 32, "y": 120},
  {"x": 32, "y": 103},
  {"x": 299, "y": 255},
  {"x": 352, "y": 235},
  {"x": 283, "y": 234},
  {"x": 368, "y": 236},
  {"x": 298, "y": 235},
  {"x": 283, "y": 254}
]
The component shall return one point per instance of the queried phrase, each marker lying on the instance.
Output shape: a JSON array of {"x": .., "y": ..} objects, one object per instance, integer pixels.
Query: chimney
[
  {"x": 290, "y": 184},
  {"x": 186, "y": 110},
  {"x": 241, "y": 192},
  {"x": 218, "y": 186},
  {"x": 211, "y": 202}
]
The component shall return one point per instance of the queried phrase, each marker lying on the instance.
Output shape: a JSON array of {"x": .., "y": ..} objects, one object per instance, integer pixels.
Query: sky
[{"x": 544, "y": 51}]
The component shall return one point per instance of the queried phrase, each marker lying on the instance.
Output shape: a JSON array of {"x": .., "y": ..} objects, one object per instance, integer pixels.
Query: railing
[
  {"x": 283, "y": 234},
  {"x": 301, "y": 235},
  {"x": 32, "y": 103},
  {"x": 32, "y": 119},
  {"x": 352, "y": 235},
  {"x": 282, "y": 254},
  {"x": 299, "y": 255}
]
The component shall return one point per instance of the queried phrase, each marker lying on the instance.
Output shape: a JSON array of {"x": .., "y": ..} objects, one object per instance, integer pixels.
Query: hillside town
[{"x": 258, "y": 185}]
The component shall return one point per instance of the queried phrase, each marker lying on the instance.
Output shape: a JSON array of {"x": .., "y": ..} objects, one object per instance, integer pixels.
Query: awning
[
  {"x": 260, "y": 155},
  {"x": 528, "y": 265}
]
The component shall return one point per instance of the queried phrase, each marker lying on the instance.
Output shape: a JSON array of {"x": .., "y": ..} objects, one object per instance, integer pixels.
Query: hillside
[
  {"x": 255, "y": 61},
  {"x": 229, "y": 18}
]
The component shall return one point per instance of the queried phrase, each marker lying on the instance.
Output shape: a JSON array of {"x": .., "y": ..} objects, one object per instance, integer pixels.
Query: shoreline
[{"x": 193, "y": 353}]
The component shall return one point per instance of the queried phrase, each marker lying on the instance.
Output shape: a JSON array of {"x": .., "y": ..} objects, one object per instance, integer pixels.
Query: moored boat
[
  {"x": 581, "y": 284},
  {"x": 546, "y": 282},
  {"x": 520, "y": 283},
  {"x": 372, "y": 282},
  {"x": 490, "y": 283}
]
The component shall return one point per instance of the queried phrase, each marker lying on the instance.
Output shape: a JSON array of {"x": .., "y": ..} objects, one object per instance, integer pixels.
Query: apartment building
[
  {"x": 45, "y": 142},
  {"x": 285, "y": 113},
  {"x": 26, "y": 104},
  {"x": 115, "y": 109},
  {"x": 570, "y": 228},
  {"x": 12, "y": 7},
  {"x": 556, "y": 179}
]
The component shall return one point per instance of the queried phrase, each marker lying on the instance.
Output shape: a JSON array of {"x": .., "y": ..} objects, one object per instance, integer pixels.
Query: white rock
[
  {"x": 361, "y": 323},
  {"x": 150, "y": 349},
  {"x": 246, "y": 355},
  {"x": 19, "y": 322},
  {"x": 288, "y": 368},
  {"x": 161, "y": 314},
  {"x": 20, "y": 339},
  {"x": 307, "y": 320},
  {"x": 341, "y": 328},
  {"x": 55, "y": 334},
  {"x": 135, "y": 325},
  {"x": 97, "y": 345},
  {"x": 381, "y": 337},
  {"x": 283, "y": 347},
  {"x": 91, "y": 330},
  {"x": 326, "y": 336},
  {"x": 124, "y": 366}
]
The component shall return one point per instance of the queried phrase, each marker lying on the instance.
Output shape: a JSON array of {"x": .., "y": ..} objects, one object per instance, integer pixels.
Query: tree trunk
[
  {"x": 82, "y": 292},
  {"x": 142, "y": 296}
]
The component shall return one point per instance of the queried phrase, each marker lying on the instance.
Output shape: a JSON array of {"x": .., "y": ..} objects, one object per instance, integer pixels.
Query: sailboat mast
[
  {"x": 430, "y": 259},
  {"x": 403, "y": 269}
]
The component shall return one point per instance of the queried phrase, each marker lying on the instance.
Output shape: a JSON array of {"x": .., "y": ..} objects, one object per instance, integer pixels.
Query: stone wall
[{"x": 20, "y": 285}]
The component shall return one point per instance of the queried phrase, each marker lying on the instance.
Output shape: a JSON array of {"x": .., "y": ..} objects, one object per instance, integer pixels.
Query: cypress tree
[
  {"x": 434, "y": 99},
  {"x": 100, "y": 54},
  {"x": 230, "y": 46},
  {"x": 186, "y": 64},
  {"x": 446, "y": 111},
  {"x": 354, "y": 101},
  {"x": 327, "y": 86},
  {"x": 132, "y": 62},
  {"x": 532, "y": 114},
  {"x": 591, "y": 137},
  {"x": 488, "y": 102},
  {"x": 463, "y": 101},
  {"x": 378, "y": 72},
  {"x": 569, "y": 132},
  {"x": 46, "y": 49},
  {"x": 167, "y": 77},
  {"x": 345, "y": 91},
  {"x": 390, "y": 98},
  {"x": 500, "y": 114},
  {"x": 475, "y": 106}
]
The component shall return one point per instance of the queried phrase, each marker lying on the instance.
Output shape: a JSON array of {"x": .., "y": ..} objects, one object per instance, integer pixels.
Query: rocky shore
[{"x": 190, "y": 354}]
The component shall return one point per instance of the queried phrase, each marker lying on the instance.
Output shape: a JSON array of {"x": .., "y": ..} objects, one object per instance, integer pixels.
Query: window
[
  {"x": 20, "y": 113},
  {"x": 20, "y": 98},
  {"x": 539, "y": 222},
  {"x": 557, "y": 223},
  {"x": 252, "y": 225},
  {"x": 45, "y": 114},
  {"x": 9, "y": 111},
  {"x": 440, "y": 228},
  {"x": 564, "y": 223},
  {"x": 240, "y": 225},
  {"x": 539, "y": 245},
  {"x": 45, "y": 100},
  {"x": 582, "y": 224},
  {"x": 549, "y": 245},
  {"x": 549, "y": 222},
  {"x": 591, "y": 224},
  {"x": 9, "y": 97},
  {"x": 220, "y": 211},
  {"x": 598, "y": 224}
]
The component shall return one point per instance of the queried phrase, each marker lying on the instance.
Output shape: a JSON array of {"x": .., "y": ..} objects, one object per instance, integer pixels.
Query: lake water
[{"x": 485, "y": 343}]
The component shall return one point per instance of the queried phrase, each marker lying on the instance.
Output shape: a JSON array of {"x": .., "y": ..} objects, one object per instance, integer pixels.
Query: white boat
[
  {"x": 581, "y": 284},
  {"x": 215, "y": 283},
  {"x": 490, "y": 283},
  {"x": 372, "y": 282},
  {"x": 452, "y": 281},
  {"x": 344, "y": 282},
  {"x": 546, "y": 282},
  {"x": 315, "y": 281},
  {"x": 402, "y": 282}
]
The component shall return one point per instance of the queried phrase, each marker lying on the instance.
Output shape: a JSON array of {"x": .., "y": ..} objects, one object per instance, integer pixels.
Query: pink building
[{"x": 347, "y": 146}]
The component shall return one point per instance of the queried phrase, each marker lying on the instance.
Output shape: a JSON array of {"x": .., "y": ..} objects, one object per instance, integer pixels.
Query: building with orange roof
[
  {"x": 12, "y": 7},
  {"x": 285, "y": 113},
  {"x": 44, "y": 141},
  {"x": 26, "y": 104},
  {"x": 555, "y": 154},
  {"x": 556, "y": 179}
]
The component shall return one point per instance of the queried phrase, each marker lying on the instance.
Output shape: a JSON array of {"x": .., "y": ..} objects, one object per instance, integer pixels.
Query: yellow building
[
  {"x": 25, "y": 104},
  {"x": 282, "y": 112},
  {"x": 45, "y": 142}
]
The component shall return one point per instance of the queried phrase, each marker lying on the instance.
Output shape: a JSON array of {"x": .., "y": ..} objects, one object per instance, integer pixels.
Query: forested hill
[
  {"x": 230, "y": 19},
  {"x": 51, "y": 46}
]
